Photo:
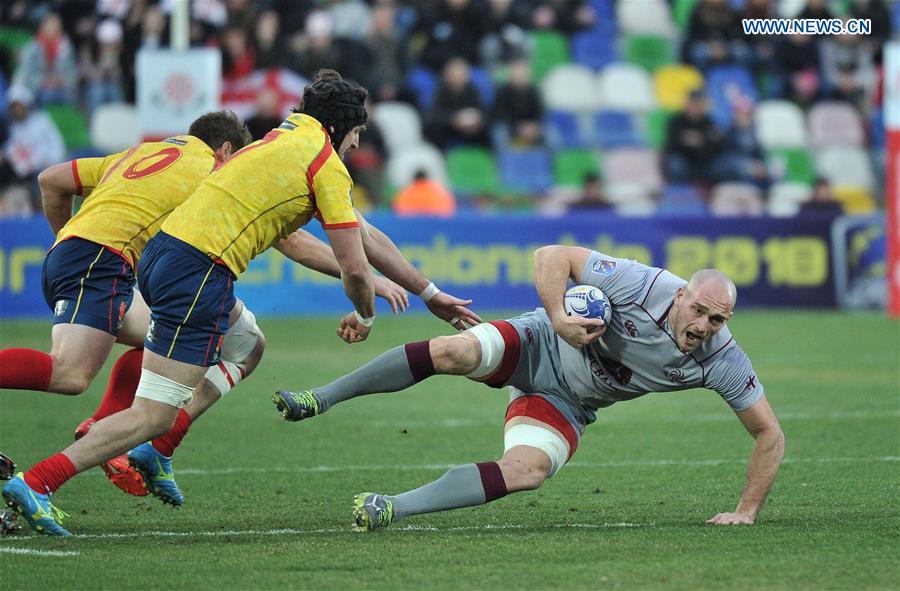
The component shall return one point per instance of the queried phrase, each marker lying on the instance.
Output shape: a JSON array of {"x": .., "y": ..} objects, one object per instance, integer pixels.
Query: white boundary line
[
  {"x": 8, "y": 550},
  {"x": 297, "y": 532}
]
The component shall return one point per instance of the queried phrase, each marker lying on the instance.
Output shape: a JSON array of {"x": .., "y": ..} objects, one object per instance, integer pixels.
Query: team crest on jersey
[
  {"x": 60, "y": 308},
  {"x": 529, "y": 335},
  {"x": 632, "y": 329},
  {"x": 604, "y": 267},
  {"x": 676, "y": 376}
]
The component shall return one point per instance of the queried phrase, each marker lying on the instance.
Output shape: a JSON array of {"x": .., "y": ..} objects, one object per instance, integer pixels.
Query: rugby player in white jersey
[{"x": 666, "y": 334}]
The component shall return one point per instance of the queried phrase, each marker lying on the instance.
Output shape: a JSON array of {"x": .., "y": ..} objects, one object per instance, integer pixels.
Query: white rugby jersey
[{"x": 638, "y": 354}]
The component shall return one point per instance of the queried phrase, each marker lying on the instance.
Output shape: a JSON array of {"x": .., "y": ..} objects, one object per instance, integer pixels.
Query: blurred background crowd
[{"x": 636, "y": 107}]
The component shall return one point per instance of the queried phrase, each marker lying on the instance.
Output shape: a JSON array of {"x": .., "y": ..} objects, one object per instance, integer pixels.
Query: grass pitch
[{"x": 268, "y": 502}]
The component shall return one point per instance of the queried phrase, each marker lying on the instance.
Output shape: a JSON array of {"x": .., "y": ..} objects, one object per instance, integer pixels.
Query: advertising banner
[{"x": 774, "y": 262}]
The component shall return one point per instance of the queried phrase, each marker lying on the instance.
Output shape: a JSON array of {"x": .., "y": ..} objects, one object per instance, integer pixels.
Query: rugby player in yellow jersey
[{"x": 267, "y": 191}]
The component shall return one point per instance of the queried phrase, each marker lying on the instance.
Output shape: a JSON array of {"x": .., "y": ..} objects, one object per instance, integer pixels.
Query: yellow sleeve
[
  {"x": 89, "y": 172},
  {"x": 332, "y": 185}
]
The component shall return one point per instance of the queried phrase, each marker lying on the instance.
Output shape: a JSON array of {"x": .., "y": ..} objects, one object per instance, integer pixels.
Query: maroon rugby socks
[{"x": 25, "y": 369}]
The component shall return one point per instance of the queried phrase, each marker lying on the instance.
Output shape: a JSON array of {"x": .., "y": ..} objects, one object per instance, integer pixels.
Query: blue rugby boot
[
  {"x": 296, "y": 406},
  {"x": 157, "y": 472},
  {"x": 35, "y": 507}
]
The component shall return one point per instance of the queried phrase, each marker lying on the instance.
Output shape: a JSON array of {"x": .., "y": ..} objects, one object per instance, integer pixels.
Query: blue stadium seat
[
  {"x": 613, "y": 129},
  {"x": 683, "y": 200},
  {"x": 528, "y": 171},
  {"x": 423, "y": 82},
  {"x": 595, "y": 49},
  {"x": 482, "y": 81},
  {"x": 724, "y": 85},
  {"x": 876, "y": 129},
  {"x": 605, "y": 10},
  {"x": 563, "y": 130},
  {"x": 895, "y": 16}
]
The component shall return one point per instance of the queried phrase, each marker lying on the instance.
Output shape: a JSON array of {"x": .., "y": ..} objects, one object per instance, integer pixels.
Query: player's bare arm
[
  {"x": 307, "y": 250},
  {"x": 553, "y": 267},
  {"x": 348, "y": 250},
  {"x": 768, "y": 450},
  {"x": 57, "y": 188},
  {"x": 387, "y": 258}
]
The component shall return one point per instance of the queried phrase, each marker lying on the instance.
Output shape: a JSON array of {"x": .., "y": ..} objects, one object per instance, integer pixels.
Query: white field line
[
  {"x": 8, "y": 550},
  {"x": 299, "y": 532},
  {"x": 575, "y": 464}
]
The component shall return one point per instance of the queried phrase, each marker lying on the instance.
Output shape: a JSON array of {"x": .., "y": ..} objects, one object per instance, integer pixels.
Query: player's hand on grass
[
  {"x": 395, "y": 295},
  {"x": 731, "y": 519},
  {"x": 351, "y": 330},
  {"x": 578, "y": 331},
  {"x": 453, "y": 310}
]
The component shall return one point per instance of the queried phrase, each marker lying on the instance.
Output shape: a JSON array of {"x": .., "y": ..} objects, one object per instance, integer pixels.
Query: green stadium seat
[
  {"x": 549, "y": 49},
  {"x": 473, "y": 171},
  {"x": 14, "y": 38},
  {"x": 793, "y": 164},
  {"x": 657, "y": 127},
  {"x": 648, "y": 51},
  {"x": 570, "y": 166},
  {"x": 683, "y": 10},
  {"x": 72, "y": 125}
]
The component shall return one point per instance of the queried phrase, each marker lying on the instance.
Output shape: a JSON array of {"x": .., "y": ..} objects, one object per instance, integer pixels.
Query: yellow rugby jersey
[
  {"x": 265, "y": 192},
  {"x": 129, "y": 194}
]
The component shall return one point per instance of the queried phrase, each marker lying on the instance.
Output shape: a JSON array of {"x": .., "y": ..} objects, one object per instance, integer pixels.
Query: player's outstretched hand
[
  {"x": 453, "y": 310},
  {"x": 394, "y": 294},
  {"x": 579, "y": 332},
  {"x": 351, "y": 330},
  {"x": 731, "y": 519}
]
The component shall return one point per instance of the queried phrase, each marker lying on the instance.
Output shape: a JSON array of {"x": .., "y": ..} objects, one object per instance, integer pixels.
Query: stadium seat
[
  {"x": 549, "y": 49},
  {"x": 571, "y": 166},
  {"x": 895, "y": 16},
  {"x": 649, "y": 17},
  {"x": 649, "y": 51},
  {"x": 472, "y": 171},
  {"x": 633, "y": 166},
  {"x": 656, "y": 128},
  {"x": 485, "y": 86},
  {"x": 681, "y": 200},
  {"x": 834, "y": 123},
  {"x": 780, "y": 124},
  {"x": 727, "y": 85},
  {"x": 13, "y": 39},
  {"x": 399, "y": 124},
  {"x": 613, "y": 129},
  {"x": 672, "y": 85},
  {"x": 115, "y": 127},
  {"x": 643, "y": 208},
  {"x": 684, "y": 9},
  {"x": 571, "y": 88},
  {"x": 423, "y": 82},
  {"x": 604, "y": 10},
  {"x": 786, "y": 198},
  {"x": 854, "y": 200},
  {"x": 595, "y": 49},
  {"x": 625, "y": 87},
  {"x": 791, "y": 164},
  {"x": 736, "y": 199},
  {"x": 876, "y": 129},
  {"x": 72, "y": 125},
  {"x": 845, "y": 166},
  {"x": 790, "y": 8},
  {"x": 566, "y": 130},
  {"x": 403, "y": 165},
  {"x": 526, "y": 171}
]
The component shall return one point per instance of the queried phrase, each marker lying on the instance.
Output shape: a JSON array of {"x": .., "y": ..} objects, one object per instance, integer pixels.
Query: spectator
[
  {"x": 145, "y": 28},
  {"x": 34, "y": 142},
  {"x": 715, "y": 36},
  {"x": 762, "y": 47},
  {"x": 880, "y": 17},
  {"x": 518, "y": 109},
  {"x": 797, "y": 57},
  {"x": 692, "y": 142},
  {"x": 101, "y": 66},
  {"x": 848, "y": 69},
  {"x": 322, "y": 50},
  {"x": 47, "y": 64},
  {"x": 452, "y": 28},
  {"x": 388, "y": 52},
  {"x": 15, "y": 202},
  {"x": 366, "y": 162},
  {"x": 823, "y": 201},
  {"x": 506, "y": 38},
  {"x": 424, "y": 197},
  {"x": 267, "y": 116},
  {"x": 568, "y": 16},
  {"x": 238, "y": 55},
  {"x": 457, "y": 116},
  {"x": 743, "y": 158},
  {"x": 270, "y": 49},
  {"x": 592, "y": 196}
]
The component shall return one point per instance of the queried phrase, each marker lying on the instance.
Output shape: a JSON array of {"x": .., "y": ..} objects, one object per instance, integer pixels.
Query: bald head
[{"x": 714, "y": 282}]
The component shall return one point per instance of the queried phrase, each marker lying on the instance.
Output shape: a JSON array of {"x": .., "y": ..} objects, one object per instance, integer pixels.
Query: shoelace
[{"x": 58, "y": 514}]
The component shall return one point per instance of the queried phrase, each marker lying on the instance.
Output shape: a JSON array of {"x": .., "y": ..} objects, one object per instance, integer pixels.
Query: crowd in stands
[{"x": 626, "y": 106}]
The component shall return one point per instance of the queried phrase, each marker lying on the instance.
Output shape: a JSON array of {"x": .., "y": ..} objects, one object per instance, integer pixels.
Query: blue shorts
[
  {"x": 87, "y": 283},
  {"x": 190, "y": 296}
]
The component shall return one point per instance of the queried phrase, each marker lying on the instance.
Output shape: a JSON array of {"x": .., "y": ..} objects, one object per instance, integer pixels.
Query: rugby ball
[{"x": 587, "y": 301}]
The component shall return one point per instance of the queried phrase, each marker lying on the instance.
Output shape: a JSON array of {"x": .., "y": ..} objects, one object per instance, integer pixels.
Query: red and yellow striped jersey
[
  {"x": 129, "y": 194},
  {"x": 265, "y": 192}
]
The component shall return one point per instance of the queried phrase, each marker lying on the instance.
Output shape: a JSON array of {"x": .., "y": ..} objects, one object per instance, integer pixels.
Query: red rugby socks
[
  {"x": 50, "y": 474},
  {"x": 25, "y": 369},
  {"x": 123, "y": 383},
  {"x": 167, "y": 443}
]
